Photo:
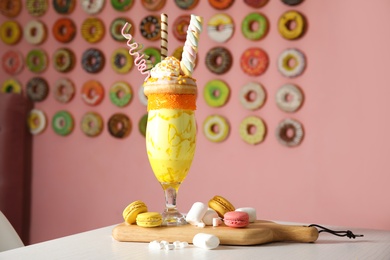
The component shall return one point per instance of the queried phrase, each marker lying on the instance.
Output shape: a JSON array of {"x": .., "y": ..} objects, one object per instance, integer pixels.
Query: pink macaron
[{"x": 236, "y": 219}]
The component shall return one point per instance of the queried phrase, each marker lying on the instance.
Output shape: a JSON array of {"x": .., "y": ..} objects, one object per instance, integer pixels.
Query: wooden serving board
[{"x": 257, "y": 233}]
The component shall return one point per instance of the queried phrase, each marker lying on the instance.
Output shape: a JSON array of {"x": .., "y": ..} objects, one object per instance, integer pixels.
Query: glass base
[{"x": 172, "y": 217}]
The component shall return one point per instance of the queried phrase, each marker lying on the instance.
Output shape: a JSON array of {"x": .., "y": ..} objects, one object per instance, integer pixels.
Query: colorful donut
[
  {"x": 11, "y": 86},
  {"x": 92, "y": 6},
  {"x": 92, "y": 30},
  {"x": 35, "y": 32},
  {"x": 37, "y": 89},
  {"x": 10, "y": 8},
  {"x": 142, "y": 124},
  {"x": 120, "y": 94},
  {"x": 292, "y": 25},
  {"x": 292, "y": 2},
  {"x": 180, "y": 26},
  {"x": 116, "y": 28},
  {"x": 150, "y": 27},
  {"x": 256, "y": 3},
  {"x": 254, "y": 61},
  {"x": 221, "y": 4},
  {"x": 64, "y": 60},
  {"x": 219, "y": 60},
  {"x": 62, "y": 123},
  {"x": 289, "y": 98},
  {"x": 220, "y": 27},
  {"x": 252, "y": 96},
  {"x": 252, "y": 130},
  {"x": 248, "y": 23},
  {"x": 290, "y": 132},
  {"x": 37, "y": 60},
  {"x": 10, "y": 32},
  {"x": 216, "y": 128},
  {"x": 37, "y": 7},
  {"x": 91, "y": 124},
  {"x": 119, "y": 125},
  {"x": 121, "y": 61},
  {"x": 186, "y": 4},
  {"x": 93, "y": 60},
  {"x": 12, "y": 62},
  {"x": 153, "y": 5},
  {"x": 122, "y": 5},
  {"x": 154, "y": 54},
  {"x": 64, "y": 6},
  {"x": 92, "y": 93},
  {"x": 216, "y": 93},
  {"x": 64, "y": 30},
  {"x": 141, "y": 96},
  {"x": 36, "y": 121},
  {"x": 291, "y": 63},
  {"x": 63, "y": 90}
]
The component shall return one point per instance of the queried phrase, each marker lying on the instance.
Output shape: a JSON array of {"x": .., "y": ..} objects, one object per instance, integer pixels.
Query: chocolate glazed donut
[
  {"x": 219, "y": 60},
  {"x": 119, "y": 125}
]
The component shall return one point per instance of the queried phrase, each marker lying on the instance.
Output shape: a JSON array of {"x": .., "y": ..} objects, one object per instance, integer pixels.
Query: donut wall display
[{"x": 71, "y": 59}]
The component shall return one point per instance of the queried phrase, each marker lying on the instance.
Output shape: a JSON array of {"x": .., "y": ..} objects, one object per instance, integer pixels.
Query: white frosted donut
[
  {"x": 289, "y": 98},
  {"x": 252, "y": 96},
  {"x": 291, "y": 63},
  {"x": 289, "y": 132},
  {"x": 36, "y": 121},
  {"x": 92, "y": 6},
  {"x": 142, "y": 98},
  {"x": 216, "y": 128},
  {"x": 64, "y": 90},
  {"x": 220, "y": 27},
  {"x": 35, "y": 32},
  {"x": 252, "y": 130}
]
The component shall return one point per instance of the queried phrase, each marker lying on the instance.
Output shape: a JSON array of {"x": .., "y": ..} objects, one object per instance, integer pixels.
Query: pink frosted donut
[{"x": 12, "y": 62}]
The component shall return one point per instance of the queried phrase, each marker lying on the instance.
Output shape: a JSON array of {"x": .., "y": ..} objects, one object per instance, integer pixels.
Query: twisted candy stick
[
  {"x": 164, "y": 36},
  {"x": 141, "y": 59},
  {"x": 190, "y": 48}
]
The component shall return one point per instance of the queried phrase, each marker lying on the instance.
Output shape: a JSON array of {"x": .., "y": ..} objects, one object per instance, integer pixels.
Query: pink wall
[{"x": 337, "y": 176}]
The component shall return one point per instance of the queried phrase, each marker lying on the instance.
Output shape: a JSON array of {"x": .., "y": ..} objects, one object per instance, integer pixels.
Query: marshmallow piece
[
  {"x": 177, "y": 244},
  {"x": 155, "y": 245},
  {"x": 183, "y": 244},
  {"x": 201, "y": 225},
  {"x": 206, "y": 241},
  {"x": 196, "y": 213},
  {"x": 251, "y": 212},
  {"x": 169, "y": 246},
  {"x": 208, "y": 216},
  {"x": 216, "y": 222}
]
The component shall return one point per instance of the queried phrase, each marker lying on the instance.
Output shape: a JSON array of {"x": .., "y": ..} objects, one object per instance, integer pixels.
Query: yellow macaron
[
  {"x": 221, "y": 205},
  {"x": 131, "y": 212},
  {"x": 149, "y": 219}
]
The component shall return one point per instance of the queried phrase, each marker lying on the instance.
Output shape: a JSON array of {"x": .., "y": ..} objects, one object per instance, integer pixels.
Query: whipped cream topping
[{"x": 169, "y": 67}]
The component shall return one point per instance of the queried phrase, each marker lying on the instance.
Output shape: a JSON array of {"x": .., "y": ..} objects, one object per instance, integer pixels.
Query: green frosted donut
[
  {"x": 216, "y": 93},
  {"x": 120, "y": 93},
  {"x": 62, "y": 123},
  {"x": 142, "y": 124},
  {"x": 122, "y": 6},
  {"x": 262, "y": 26},
  {"x": 36, "y": 60},
  {"x": 154, "y": 53}
]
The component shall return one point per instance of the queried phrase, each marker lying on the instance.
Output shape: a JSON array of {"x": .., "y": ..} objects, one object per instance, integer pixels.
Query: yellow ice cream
[{"x": 171, "y": 128}]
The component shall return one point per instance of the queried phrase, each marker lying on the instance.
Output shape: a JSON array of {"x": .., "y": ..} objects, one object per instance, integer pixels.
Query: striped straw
[{"x": 164, "y": 36}]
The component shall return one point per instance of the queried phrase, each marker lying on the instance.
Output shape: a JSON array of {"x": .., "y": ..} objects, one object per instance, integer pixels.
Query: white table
[{"x": 99, "y": 244}]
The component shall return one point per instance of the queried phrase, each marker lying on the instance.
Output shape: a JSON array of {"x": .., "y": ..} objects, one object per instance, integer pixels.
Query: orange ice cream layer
[{"x": 171, "y": 101}]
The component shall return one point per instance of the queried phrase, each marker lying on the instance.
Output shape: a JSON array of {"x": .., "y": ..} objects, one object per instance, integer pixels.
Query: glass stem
[{"x": 170, "y": 198}]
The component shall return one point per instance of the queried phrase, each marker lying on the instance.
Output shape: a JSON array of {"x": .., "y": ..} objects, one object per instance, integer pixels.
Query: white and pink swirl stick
[{"x": 190, "y": 48}]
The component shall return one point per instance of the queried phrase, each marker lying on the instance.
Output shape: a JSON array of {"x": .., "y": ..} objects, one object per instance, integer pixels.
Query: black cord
[{"x": 347, "y": 233}]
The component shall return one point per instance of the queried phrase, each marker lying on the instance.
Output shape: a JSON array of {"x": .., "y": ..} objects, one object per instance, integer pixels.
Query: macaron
[
  {"x": 132, "y": 210},
  {"x": 220, "y": 205},
  {"x": 236, "y": 219},
  {"x": 149, "y": 219}
]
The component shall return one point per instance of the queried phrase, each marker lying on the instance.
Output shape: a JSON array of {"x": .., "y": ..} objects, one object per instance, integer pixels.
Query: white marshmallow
[
  {"x": 208, "y": 216},
  {"x": 206, "y": 241},
  {"x": 196, "y": 213},
  {"x": 251, "y": 212},
  {"x": 216, "y": 222},
  {"x": 201, "y": 225}
]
